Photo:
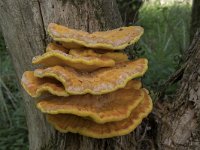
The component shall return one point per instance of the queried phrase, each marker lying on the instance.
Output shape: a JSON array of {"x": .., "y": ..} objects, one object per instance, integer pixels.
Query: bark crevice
[{"x": 43, "y": 25}]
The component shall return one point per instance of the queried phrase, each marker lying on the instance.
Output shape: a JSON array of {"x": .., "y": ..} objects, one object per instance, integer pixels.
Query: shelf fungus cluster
[{"x": 87, "y": 85}]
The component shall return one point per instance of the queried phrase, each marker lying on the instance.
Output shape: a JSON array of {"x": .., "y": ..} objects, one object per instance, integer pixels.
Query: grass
[
  {"x": 166, "y": 37},
  {"x": 13, "y": 130}
]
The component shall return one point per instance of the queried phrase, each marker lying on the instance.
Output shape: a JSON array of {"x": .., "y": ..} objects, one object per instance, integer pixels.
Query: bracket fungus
[
  {"x": 54, "y": 46},
  {"x": 86, "y": 52},
  {"x": 102, "y": 81},
  {"x": 91, "y": 89},
  {"x": 35, "y": 87},
  {"x": 116, "y": 56},
  {"x": 60, "y": 58},
  {"x": 99, "y": 108},
  {"x": 75, "y": 124},
  {"x": 116, "y": 39},
  {"x": 84, "y": 60}
]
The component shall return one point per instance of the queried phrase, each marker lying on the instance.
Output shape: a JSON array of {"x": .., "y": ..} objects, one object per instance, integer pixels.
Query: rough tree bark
[
  {"x": 24, "y": 25},
  {"x": 179, "y": 119}
]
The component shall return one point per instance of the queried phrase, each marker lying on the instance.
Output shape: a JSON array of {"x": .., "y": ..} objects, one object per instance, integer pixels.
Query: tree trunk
[
  {"x": 195, "y": 21},
  {"x": 179, "y": 120},
  {"x": 24, "y": 25}
]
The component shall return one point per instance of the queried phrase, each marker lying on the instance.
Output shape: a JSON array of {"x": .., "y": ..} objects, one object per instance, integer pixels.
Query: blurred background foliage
[
  {"x": 163, "y": 43},
  {"x": 13, "y": 129},
  {"x": 166, "y": 37}
]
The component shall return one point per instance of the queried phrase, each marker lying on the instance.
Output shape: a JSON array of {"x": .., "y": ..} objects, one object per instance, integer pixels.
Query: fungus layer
[
  {"x": 60, "y": 58},
  {"x": 116, "y": 39},
  {"x": 35, "y": 86},
  {"x": 109, "y": 107},
  {"x": 102, "y": 81},
  {"x": 133, "y": 84},
  {"x": 116, "y": 56},
  {"x": 75, "y": 124},
  {"x": 54, "y": 46}
]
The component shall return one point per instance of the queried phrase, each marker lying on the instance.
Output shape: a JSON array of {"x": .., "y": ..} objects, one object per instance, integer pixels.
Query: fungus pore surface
[
  {"x": 35, "y": 86},
  {"x": 82, "y": 63},
  {"x": 109, "y": 107},
  {"x": 75, "y": 124},
  {"x": 102, "y": 81},
  {"x": 116, "y": 39}
]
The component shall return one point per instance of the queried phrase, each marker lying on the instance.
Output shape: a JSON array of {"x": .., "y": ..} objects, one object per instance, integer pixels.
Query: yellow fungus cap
[
  {"x": 116, "y": 39},
  {"x": 109, "y": 107},
  {"x": 102, "y": 81},
  {"x": 75, "y": 124}
]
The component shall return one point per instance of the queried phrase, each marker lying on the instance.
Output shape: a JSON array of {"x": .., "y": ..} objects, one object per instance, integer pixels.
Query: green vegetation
[
  {"x": 13, "y": 130},
  {"x": 166, "y": 37}
]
